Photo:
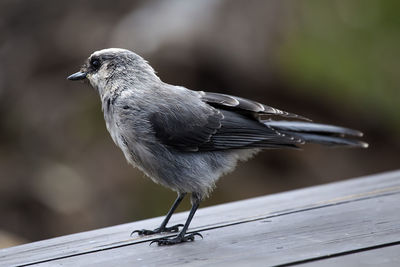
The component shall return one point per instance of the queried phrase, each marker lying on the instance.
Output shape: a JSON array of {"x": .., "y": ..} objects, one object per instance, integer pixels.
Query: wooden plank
[
  {"x": 274, "y": 241},
  {"x": 382, "y": 257},
  {"x": 208, "y": 218}
]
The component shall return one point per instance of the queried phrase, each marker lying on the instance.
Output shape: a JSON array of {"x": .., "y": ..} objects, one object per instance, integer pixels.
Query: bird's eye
[{"x": 95, "y": 63}]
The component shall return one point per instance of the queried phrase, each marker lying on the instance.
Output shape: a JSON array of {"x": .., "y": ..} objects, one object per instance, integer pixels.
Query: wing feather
[
  {"x": 243, "y": 104},
  {"x": 219, "y": 130},
  {"x": 222, "y": 122}
]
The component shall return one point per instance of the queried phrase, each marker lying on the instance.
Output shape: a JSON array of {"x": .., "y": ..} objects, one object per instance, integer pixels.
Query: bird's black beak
[{"x": 77, "y": 76}]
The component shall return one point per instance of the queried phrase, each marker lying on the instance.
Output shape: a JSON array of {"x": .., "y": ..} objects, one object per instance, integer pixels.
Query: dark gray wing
[
  {"x": 239, "y": 131},
  {"x": 230, "y": 122},
  {"x": 183, "y": 129},
  {"x": 245, "y": 105},
  {"x": 214, "y": 129}
]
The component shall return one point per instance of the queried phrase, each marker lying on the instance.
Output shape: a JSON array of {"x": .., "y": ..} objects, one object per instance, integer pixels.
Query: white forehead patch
[{"x": 109, "y": 51}]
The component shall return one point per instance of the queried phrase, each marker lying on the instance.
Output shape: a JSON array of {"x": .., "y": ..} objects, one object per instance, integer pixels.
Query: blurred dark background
[{"x": 333, "y": 61}]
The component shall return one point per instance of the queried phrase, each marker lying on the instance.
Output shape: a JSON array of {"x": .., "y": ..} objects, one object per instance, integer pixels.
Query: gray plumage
[{"x": 184, "y": 139}]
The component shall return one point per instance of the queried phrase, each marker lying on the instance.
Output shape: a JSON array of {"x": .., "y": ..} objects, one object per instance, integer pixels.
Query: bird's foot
[
  {"x": 167, "y": 241},
  {"x": 172, "y": 229}
]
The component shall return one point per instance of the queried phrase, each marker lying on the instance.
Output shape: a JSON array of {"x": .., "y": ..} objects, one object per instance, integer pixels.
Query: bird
[{"x": 186, "y": 140}]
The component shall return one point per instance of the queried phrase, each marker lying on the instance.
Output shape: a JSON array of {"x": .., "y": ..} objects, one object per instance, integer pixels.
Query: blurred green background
[{"x": 333, "y": 61}]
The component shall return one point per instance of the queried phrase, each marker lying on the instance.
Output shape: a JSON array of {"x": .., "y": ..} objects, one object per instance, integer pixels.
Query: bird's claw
[
  {"x": 172, "y": 229},
  {"x": 144, "y": 232},
  {"x": 165, "y": 241}
]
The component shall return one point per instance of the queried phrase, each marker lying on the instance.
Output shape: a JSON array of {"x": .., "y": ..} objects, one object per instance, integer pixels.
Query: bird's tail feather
[{"x": 318, "y": 133}]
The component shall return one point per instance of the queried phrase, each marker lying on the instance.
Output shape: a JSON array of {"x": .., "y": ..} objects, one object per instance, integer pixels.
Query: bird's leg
[
  {"x": 163, "y": 227},
  {"x": 182, "y": 236}
]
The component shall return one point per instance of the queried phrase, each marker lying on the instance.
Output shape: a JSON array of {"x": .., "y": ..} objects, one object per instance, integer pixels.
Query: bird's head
[{"x": 104, "y": 68}]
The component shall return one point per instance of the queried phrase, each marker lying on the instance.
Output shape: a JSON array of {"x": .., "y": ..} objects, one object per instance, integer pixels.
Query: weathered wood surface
[{"x": 355, "y": 222}]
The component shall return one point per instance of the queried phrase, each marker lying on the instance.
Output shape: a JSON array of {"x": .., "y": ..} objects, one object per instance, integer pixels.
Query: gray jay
[{"x": 184, "y": 139}]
